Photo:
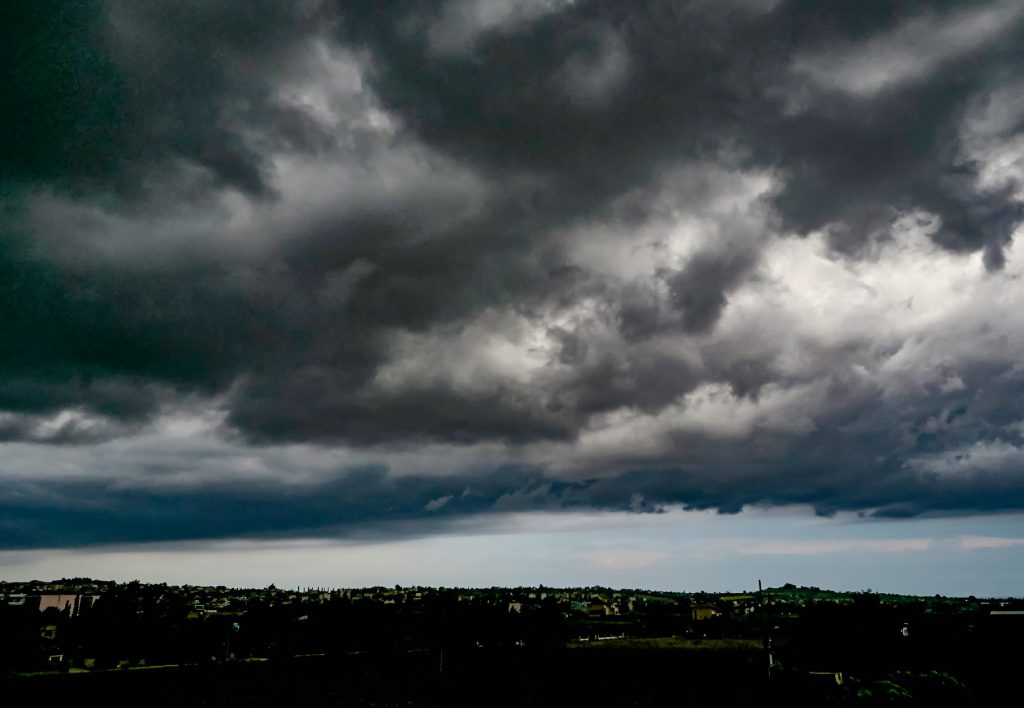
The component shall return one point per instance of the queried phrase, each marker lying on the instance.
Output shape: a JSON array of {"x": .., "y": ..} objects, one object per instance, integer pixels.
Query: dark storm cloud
[
  {"x": 851, "y": 160},
  {"x": 106, "y": 337},
  {"x": 370, "y": 503},
  {"x": 111, "y": 96},
  {"x": 851, "y": 168},
  {"x": 503, "y": 141},
  {"x": 91, "y": 512},
  {"x": 699, "y": 77},
  {"x": 502, "y": 105}
]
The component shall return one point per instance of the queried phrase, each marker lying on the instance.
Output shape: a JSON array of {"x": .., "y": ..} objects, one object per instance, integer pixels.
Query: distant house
[
  {"x": 704, "y": 612},
  {"x": 71, "y": 603},
  {"x": 599, "y": 609}
]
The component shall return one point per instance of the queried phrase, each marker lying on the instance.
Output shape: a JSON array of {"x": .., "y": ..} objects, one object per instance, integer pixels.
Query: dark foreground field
[
  {"x": 608, "y": 676},
  {"x": 560, "y": 677}
]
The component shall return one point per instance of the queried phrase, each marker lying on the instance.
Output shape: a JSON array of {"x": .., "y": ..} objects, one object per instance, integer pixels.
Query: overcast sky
[{"x": 646, "y": 293}]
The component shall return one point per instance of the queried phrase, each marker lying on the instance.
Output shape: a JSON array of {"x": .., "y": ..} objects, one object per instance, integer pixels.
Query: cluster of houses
[{"x": 72, "y": 598}]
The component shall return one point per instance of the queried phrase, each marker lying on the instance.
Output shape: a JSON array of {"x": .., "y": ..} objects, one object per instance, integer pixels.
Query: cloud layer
[{"x": 271, "y": 268}]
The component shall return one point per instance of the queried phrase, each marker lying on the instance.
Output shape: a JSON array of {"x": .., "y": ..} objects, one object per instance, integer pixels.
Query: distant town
[
  {"x": 62, "y": 621},
  {"x": 850, "y": 642}
]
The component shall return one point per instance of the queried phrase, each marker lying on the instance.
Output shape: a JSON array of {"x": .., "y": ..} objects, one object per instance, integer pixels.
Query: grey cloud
[
  {"x": 917, "y": 46},
  {"x": 699, "y": 291},
  {"x": 457, "y": 25}
]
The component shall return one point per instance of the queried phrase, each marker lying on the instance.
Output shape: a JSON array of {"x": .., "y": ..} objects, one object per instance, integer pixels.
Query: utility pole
[
  {"x": 440, "y": 658},
  {"x": 766, "y": 629}
]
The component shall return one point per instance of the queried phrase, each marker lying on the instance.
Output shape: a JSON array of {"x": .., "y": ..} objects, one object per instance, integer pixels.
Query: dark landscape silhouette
[{"x": 78, "y": 638}]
